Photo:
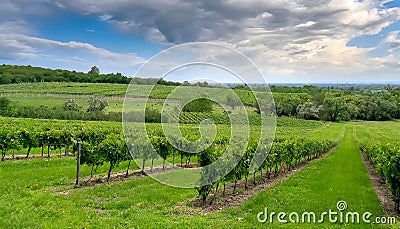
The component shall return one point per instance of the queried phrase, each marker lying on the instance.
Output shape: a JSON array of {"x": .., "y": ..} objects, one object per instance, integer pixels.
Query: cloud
[
  {"x": 393, "y": 41},
  {"x": 15, "y": 9},
  {"x": 283, "y": 37},
  {"x": 15, "y": 46},
  {"x": 307, "y": 24},
  {"x": 181, "y": 21},
  {"x": 15, "y": 27}
]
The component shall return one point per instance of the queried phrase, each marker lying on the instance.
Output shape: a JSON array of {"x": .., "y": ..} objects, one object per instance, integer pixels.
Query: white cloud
[
  {"x": 16, "y": 46},
  {"x": 392, "y": 42},
  {"x": 307, "y": 24},
  {"x": 15, "y": 27}
]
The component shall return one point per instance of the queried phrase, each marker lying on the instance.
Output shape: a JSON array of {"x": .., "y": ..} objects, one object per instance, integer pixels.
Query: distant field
[
  {"x": 99, "y": 89},
  {"x": 55, "y": 95},
  {"x": 66, "y": 88},
  {"x": 118, "y": 90},
  {"x": 379, "y": 132},
  {"x": 115, "y": 103}
]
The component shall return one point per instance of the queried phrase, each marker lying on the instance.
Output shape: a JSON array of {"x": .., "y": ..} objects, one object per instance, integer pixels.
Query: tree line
[
  {"x": 13, "y": 74},
  {"x": 342, "y": 106},
  {"x": 338, "y": 105}
]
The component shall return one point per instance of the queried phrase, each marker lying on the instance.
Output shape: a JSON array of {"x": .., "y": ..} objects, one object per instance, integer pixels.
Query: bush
[
  {"x": 71, "y": 105},
  {"x": 4, "y": 103},
  {"x": 152, "y": 115},
  {"x": 308, "y": 111},
  {"x": 96, "y": 104}
]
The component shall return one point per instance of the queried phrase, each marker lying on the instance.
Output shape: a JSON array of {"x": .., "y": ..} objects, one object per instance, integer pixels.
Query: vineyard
[
  {"x": 383, "y": 153},
  {"x": 104, "y": 152},
  {"x": 103, "y": 143},
  {"x": 77, "y": 158},
  {"x": 200, "y": 114},
  {"x": 140, "y": 91}
]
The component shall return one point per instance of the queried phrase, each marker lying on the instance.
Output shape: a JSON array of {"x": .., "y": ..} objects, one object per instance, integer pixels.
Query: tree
[
  {"x": 71, "y": 105},
  {"x": 377, "y": 108},
  {"x": 333, "y": 108},
  {"x": 308, "y": 111},
  {"x": 201, "y": 84},
  {"x": 5, "y": 78},
  {"x": 233, "y": 101},
  {"x": 96, "y": 104},
  {"x": 266, "y": 105},
  {"x": 94, "y": 70},
  {"x": 287, "y": 103},
  {"x": 318, "y": 98}
]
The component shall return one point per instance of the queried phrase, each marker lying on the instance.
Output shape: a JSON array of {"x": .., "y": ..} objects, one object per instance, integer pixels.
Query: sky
[{"x": 290, "y": 41}]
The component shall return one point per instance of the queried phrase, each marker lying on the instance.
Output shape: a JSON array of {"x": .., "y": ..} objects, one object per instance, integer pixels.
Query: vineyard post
[
  {"x": 78, "y": 163},
  {"x": 41, "y": 143},
  {"x": 173, "y": 160},
  {"x": 397, "y": 200}
]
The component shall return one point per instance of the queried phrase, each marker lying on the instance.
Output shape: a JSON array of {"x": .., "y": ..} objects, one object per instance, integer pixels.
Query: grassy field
[
  {"x": 66, "y": 88},
  {"x": 115, "y": 103},
  {"x": 39, "y": 193},
  {"x": 380, "y": 132},
  {"x": 118, "y": 90}
]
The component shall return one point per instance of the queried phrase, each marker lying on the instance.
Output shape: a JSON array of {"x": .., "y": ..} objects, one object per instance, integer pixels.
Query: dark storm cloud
[
  {"x": 306, "y": 34},
  {"x": 185, "y": 21},
  {"x": 180, "y": 21}
]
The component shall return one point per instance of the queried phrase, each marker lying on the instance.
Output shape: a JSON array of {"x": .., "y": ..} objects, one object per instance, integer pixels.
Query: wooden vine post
[
  {"x": 42, "y": 145},
  {"x": 78, "y": 163}
]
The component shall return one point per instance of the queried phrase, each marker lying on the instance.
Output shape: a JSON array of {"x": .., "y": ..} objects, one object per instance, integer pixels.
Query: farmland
[
  {"x": 40, "y": 191},
  {"x": 315, "y": 163}
]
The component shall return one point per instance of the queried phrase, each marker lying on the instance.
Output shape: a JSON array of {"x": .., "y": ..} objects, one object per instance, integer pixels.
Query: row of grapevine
[
  {"x": 197, "y": 117},
  {"x": 14, "y": 139},
  {"x": 103, "y": 143},
  {"x": 283, "y": 155},
  {"x": 218, "y": 118},
  {"x": 18, "y": 134},
  {"x": 386, "y": 159}
]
